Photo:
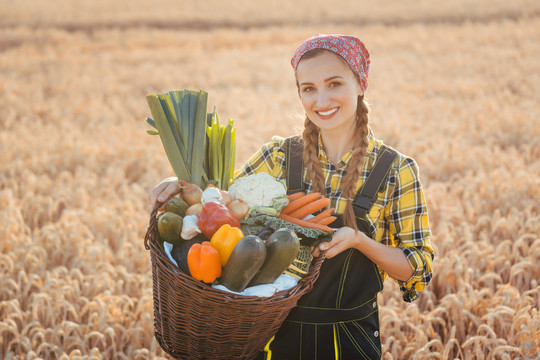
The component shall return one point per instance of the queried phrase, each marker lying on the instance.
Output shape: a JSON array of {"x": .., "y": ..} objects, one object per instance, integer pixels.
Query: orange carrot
[
  {"x": 296, "y": 196},
  {"x": 326, "y": 213},
  {"x": 310, "y": 208},
  {"x": 327, "y": 220},
  {"x": 304, "y": 223},
  {"x": 301, "y": 202}
]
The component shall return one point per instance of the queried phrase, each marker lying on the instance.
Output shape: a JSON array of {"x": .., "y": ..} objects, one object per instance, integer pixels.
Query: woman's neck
[{"x": 337, "y": 144}]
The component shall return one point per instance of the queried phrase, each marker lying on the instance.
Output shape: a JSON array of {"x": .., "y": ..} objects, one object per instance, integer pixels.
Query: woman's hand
[
  {"x": 343, "y": 239},
  {"x": 390, "y": 259},
  {"x": 163, "y": 191}
]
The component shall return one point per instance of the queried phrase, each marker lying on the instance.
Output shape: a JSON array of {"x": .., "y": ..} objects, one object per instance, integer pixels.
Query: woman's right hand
[{"x": 163, "y": 191}]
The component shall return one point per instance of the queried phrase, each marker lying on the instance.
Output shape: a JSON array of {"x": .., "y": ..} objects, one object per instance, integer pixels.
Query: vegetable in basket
[
  {"x": 180, "y": 251},
  {"x": 191, "y": 193},
  {"x": 225, "y": 239},
  {"x": 245, "y": 260},
  {"x": 194, "y": 209},
  {"x": 238, "y": 208},
  {"x": 204, "y": 262},
  {"x": 211, "y": 193},
  {"x": 177, "y": 206},
  {"x": 282, "y": 247},
  {"x": 301, "y": 208},
  {"x": 261, "y": 192},
  {"x": 213, "y": 216},
  {"x": 190, "y": 227},
  {"x": 170, "y": 227},
  {"x": 199, "y": 149}
]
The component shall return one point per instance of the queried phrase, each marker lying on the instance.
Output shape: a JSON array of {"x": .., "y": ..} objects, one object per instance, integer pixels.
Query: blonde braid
[
  {"x": 311, "y": 156},
  {"x": 348, "y": 183}
]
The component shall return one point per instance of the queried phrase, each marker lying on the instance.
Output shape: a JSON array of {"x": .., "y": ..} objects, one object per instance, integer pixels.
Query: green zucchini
[
  {"x": 246, "y": 259},
  {"x": 281, "y": 250}
]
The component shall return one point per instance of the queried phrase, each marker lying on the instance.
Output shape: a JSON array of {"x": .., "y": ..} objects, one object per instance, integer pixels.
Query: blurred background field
[{"x": 455, "y": 85}]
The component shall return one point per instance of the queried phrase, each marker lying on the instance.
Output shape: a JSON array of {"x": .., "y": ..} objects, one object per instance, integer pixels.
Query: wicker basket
[{"x": 195, "y": 321}]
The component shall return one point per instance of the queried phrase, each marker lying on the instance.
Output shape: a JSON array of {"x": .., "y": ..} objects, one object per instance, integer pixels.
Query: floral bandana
[{"x": 348, "y": 47}]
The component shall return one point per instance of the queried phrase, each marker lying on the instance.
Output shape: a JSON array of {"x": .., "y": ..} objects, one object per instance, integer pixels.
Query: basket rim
[{"x": 152, "y": 243}]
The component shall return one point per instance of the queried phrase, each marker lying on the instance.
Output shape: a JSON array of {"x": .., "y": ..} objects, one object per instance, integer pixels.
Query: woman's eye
[
  {"x": 307, "y": 89},
  {"x": 334, "y": 84}
]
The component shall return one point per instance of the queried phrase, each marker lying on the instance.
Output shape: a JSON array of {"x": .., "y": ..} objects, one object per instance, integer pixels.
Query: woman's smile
[{"x": 328, "y": 113}]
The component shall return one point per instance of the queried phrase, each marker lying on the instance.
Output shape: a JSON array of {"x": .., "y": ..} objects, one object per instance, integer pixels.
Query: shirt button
[
  {"x": 376, "y": 334},
  {"x": 374, "y": 304}
]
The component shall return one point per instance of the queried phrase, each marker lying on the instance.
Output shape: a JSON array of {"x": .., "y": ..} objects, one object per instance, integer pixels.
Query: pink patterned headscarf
[{"x": 348, "y": 47}]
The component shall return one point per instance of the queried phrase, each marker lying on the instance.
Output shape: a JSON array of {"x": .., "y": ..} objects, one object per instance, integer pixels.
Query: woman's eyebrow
[
  {"x": 333, "y": 77},
  {"x": 326, "y": 80}
]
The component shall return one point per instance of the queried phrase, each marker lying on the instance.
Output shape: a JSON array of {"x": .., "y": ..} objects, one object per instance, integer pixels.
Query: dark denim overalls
[{"x": 339, "y": 318}]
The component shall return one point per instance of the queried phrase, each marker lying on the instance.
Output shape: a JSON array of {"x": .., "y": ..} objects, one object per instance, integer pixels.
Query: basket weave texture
[{"x": 192, "y": 320}]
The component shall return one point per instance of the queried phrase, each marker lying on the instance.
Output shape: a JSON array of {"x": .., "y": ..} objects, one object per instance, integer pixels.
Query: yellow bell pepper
[{"x": 224, "y": 240}]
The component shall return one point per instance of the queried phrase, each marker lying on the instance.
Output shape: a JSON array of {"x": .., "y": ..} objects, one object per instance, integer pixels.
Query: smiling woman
[{"x": 381, "y": 221}]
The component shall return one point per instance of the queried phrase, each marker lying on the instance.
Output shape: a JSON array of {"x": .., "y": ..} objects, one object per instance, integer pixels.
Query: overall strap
[
  {"x": 367, "y": 195},
  {"x": 294, "y": 149}
]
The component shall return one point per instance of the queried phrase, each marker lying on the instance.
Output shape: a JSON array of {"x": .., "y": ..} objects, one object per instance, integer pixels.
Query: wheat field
[{"x": 455, "y": 85}]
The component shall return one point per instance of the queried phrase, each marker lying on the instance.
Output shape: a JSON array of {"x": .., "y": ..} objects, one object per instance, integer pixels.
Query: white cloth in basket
[{"x": 283, "y": 282}]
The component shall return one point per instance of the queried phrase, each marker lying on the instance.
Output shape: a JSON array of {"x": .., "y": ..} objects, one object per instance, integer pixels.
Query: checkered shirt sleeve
[{"x": 409, "y": 227}]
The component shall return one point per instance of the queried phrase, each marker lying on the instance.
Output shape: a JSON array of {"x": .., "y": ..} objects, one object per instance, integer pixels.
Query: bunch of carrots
[{"x": 302, "y": 205}]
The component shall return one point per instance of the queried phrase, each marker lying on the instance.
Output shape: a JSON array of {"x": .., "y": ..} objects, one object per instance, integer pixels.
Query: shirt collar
[
  {"x": 347, "y": 157},
  {"x": 371, "y": 143}
]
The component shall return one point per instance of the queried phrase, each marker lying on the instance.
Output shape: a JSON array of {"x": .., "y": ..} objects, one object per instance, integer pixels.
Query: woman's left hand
[
  {"x": 343, "y": 239},
  {"x": 390, "y": 259}
]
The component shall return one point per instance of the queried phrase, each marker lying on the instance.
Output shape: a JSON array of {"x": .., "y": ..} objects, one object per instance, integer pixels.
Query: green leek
[{"x": 199, "y": 149}]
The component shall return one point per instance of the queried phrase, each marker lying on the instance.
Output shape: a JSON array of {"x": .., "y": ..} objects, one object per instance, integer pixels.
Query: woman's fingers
[
  {"x": 333, "y": 247},
  {"x": 163, "y": 191},
  {"x": 342, "y": 240},
  {"x": 172, "y": 189},
  {"x": 154, "y": 193}
]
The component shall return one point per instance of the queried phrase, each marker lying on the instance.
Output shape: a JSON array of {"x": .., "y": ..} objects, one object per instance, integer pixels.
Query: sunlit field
[{"x": 455, "y": 86}]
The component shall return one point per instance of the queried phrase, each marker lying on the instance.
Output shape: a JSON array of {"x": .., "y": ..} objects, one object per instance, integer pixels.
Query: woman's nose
[{"x": 322, "y": 99}]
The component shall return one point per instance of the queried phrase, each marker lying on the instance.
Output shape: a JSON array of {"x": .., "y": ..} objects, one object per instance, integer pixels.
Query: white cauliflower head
[{"x": 257, "y": 190}]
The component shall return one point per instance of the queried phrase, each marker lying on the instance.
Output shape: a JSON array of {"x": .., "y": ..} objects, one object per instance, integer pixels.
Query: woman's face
[{"x": 329, "y": 91}]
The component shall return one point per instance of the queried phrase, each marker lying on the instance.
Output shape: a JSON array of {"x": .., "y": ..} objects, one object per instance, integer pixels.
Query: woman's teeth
[{"x": 329, "y": 112}]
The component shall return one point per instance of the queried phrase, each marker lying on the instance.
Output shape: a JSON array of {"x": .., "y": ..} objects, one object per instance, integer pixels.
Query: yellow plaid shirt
[{"x": 399, "y": 216}]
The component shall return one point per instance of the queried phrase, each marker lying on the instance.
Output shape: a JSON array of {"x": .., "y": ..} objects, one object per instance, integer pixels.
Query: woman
[{"x": 339, "y": 317}]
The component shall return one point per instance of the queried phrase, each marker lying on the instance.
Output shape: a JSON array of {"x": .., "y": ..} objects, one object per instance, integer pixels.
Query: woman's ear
[{"x": 359, "y": 87}]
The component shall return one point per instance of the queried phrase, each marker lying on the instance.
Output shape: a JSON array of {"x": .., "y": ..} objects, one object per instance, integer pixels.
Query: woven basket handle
[{"x": 151, "y": 225}]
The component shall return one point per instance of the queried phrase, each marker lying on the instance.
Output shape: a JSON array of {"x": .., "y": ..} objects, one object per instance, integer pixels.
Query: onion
[
  {"x": 194, "y": 209},
  {"x": 226, "y": 197},
  {"x": 238, "y": 208},
  {"x": 191, "y": 193}
]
